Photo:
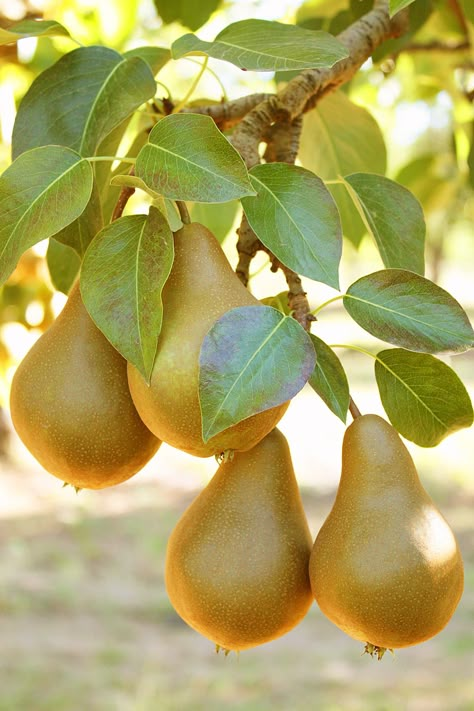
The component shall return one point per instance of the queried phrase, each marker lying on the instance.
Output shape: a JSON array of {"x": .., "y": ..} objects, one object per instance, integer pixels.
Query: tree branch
[
  {"x": 436, "y": 46},
  {"x": 228, "y": 114},
  {"x": 302, "y": 93}
]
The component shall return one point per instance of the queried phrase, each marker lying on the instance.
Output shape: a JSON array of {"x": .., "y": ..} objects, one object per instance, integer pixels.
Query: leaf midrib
[
  {"x": 241, "y": 373},
  {"x": 94, "y": 104},
  {"x": 411, "y": 391},
  {"x": 402, "y": 315},
  {"x": 278, "y": 201},
  {"x": 35, "y": 201},
  {"x": 221, "y": 176}
]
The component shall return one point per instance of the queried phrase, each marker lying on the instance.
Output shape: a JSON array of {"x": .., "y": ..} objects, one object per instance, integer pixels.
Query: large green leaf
[
  {"x": 423, "y": 397},
  {"x": 265, "y": 46},
  {"x": 329, "y": 379},
  {"x": 80, "y": 100},
  {"x": 340, "y": 138},
  {"x": 31, "y": 28},
  {"x": 63, "y": 265},
  {"x": 295, "y": 216},
  {"x": 190, "y": 13},
  {"x": 253, "y": 358},
  {"x": 410, "y": 311},
  {"x": 188, "y": 158},
  {"x": 395, "y": 219},
  {"x": 122, "y": 277},
  {"x": 42, "y": 191}
]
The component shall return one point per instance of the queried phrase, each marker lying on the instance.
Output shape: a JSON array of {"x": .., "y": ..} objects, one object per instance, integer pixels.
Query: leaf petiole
[
  {"x": 326, "y": 303},
  {"x": 96, "y": 159},
  {"x": 192, "y": 88}
]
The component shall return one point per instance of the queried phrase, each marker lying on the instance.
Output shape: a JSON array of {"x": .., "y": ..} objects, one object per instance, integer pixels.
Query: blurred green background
[{"x": 84, "y": 618}]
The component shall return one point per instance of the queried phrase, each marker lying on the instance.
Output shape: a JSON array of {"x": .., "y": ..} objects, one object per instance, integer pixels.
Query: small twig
[
  {"x": 125, "y": 195},
  {"x": 436, "y": 46},
  {"x": 297, "y": 300},
  {"x": 183, "y": 212},
  {"x": 354, "y": 410}
]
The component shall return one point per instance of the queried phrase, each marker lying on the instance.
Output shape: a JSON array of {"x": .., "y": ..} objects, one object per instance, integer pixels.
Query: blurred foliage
[{"x": 421, "y": 98}]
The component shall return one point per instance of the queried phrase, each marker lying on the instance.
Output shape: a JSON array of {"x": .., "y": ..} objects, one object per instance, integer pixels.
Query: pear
[
  {"x": 237, "y": 562},
  {"x": 385, "y": 566},
  {"x": 200, "y": 289},
  {"x": 71, "y": 406}
]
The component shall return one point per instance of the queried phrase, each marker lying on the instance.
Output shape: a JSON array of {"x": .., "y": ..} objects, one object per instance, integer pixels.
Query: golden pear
[
  {"x": 237, "y": 562},
  {"x": 385, "y": 566},
  {"x": 200, "y": 289},
  {"x": 71, "y": 405}
]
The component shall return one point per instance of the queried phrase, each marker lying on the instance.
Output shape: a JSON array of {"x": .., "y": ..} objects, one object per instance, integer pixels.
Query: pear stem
[
  {"x": 183, "y": 212},
  {"x": 354, "y": 410}
]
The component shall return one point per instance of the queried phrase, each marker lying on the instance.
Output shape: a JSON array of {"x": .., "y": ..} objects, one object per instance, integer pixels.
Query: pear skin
[
  {"x": 71, "y": 406},
  {"x": 237, "y": 562},
  {"x": 385, "y": 566},
  {"x": 200, "y": 289}
]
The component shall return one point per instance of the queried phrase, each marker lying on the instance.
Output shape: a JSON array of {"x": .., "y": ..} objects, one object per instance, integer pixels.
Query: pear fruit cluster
[{"x": 241, "y": 567}]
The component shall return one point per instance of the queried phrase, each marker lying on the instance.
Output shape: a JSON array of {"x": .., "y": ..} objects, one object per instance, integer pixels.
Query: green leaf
[
  {"x": 219, "y": 219},
  {"x": 395, "y": 219},
  {"x": 294, "y": 215},
  {"x": 131, "y": 181},
  {"x": 340, "y": 138},
  {"x": 63, "y": 264},
  {"x": 80, "y": 100},
  {"x": 278, "y": 302},
  {"x": 329, "y": 379},
  {"x": 155, "y": 57},
  {"x": 189, "y": 13},
  {"x": 432, "y": 179},
  {"x": 40, "y": 193},
  {"x": 397, "y": 5},
  {"x": 423, "y": 397},
  {"x": 80, "y": 233},
  {"x": 265, "y": 46},
  {"x": 253, "y": 358},
  {"x": 122, "y": 277},
  {"x": 188, "y": 158},
  {"x": 32, "y": 28},
  {"x": 410, "y": 311}
]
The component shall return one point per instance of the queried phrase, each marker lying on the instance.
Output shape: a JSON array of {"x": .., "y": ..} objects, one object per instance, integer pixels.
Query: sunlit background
[{"x": 85, "y": 621}]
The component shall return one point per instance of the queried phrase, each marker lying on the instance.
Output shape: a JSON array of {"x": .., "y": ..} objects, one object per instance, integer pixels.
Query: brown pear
[
  {"x": 71, "y": 405},
  {"x": 200, "y": 289},
  {"x": 385, "y": 566},
  {"x": 237, "y": 561}
]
